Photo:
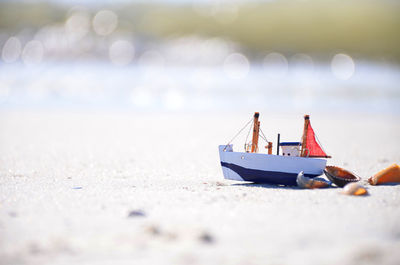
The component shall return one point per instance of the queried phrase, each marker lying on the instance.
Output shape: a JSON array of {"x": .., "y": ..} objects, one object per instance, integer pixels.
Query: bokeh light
[
  {"x": 121, "y": 52},
  {"x": 105, "y": 22},
  {"x": 180, "y": 56},
  {"x": 11, "y": 50},
  {"x": 275, "y": 65},
  {"x": 77, "y": 26},
  {"x": 33, "y": 52},
  {"x": 301, "y": 60},
  {"x": 236, "y": 66},
  {"x": 54, "y": 39},
  {"x": 342, "y": 66}
]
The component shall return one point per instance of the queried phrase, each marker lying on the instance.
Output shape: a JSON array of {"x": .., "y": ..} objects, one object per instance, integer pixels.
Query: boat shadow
[
  {"x": 388, "y": 184},
  {"x": 266, "y": 186},
  {"x": 272, "y": 186}
]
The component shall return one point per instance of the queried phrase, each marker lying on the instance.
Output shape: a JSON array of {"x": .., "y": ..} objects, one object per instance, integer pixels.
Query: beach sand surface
[{"x": 147, "y": 188}]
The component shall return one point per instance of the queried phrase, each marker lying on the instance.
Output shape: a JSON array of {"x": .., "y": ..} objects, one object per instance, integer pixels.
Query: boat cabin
[{"x": 290, "y": 148}]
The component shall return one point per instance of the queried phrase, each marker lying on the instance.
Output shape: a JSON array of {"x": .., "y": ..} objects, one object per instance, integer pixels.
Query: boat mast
[
  {"x": 269, "y": 147},
  {"x": 256, "y": 131},
  {"x": 278, "y": 144},
  {"x": 304, "y": 139}
]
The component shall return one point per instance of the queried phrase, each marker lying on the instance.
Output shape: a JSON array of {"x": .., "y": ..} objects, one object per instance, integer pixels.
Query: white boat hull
[{"x": 264, "y": 168}]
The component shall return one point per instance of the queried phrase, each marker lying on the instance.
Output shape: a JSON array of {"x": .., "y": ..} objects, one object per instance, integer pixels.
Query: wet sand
[{"x": 134, "y": 188}]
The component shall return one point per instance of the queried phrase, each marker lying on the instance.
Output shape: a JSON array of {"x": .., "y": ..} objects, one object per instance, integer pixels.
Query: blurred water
[{"x": 372, "y": 88}]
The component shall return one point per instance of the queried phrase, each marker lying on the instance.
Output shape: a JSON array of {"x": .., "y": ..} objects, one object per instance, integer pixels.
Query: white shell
[{"x": 354, "y": 189}]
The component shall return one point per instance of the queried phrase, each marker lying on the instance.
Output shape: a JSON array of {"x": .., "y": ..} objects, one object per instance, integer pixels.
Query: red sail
[{"x": 312, "y": 146}]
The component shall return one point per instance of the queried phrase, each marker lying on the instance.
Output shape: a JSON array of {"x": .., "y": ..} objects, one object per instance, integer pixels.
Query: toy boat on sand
[{"x": 249, "y": 165}]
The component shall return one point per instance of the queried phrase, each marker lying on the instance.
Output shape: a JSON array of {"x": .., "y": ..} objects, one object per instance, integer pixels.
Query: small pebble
[
  {"x": 34, "y": 248},
  {"x": 136, "y": 213},
  {"x": 383, "y": 160},
  {"x": 206, "y": 238},
  {"x": 13, "y": 214},
  {"x": 154, "y": 230},
  {"x": 171, "y": 236}
]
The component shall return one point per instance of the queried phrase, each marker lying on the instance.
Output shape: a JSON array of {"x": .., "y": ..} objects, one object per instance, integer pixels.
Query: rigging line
[
  {"x": 319, "y": 143},
  {"x": 238, "y": 133},
  {"x": 247, "y": 137},
  {"x": 263, "y": 136}
]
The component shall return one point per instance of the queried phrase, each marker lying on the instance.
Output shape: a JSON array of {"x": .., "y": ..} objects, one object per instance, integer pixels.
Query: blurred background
[{"x": 194, "y": 55}]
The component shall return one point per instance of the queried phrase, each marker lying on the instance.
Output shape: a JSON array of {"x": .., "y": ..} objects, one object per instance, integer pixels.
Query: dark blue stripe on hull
[{"x": 261, "y": 176}]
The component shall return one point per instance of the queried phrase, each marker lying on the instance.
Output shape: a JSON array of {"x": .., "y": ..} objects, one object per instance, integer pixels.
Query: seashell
[
  {"x": 340, "y": 176},
  {"x": 387, "y": 175},
  {"x": 310, "y": 183},
  {"x": 354, "y": 189}
]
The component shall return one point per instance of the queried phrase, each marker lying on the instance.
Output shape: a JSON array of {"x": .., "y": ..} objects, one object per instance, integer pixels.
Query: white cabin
[{"x": 290, "y": 148}]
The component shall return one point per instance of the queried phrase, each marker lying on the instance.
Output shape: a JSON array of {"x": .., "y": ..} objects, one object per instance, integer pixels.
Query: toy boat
[{"x": 249, "y": 165}]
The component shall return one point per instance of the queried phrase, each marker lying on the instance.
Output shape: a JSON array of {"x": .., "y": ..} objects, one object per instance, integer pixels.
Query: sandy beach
[{"x": 147, "y": 188}]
